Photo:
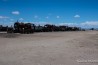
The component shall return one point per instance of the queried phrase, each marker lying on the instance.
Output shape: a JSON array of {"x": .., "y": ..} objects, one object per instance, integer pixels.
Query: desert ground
[{"x": 49, "y": 48}]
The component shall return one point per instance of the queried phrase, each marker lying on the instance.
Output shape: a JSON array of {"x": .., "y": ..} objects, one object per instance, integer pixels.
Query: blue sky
[{"x": 83, "y": 13}]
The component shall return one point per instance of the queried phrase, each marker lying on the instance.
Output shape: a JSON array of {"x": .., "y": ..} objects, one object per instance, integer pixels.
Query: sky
[{"x": 82, "y": 13}]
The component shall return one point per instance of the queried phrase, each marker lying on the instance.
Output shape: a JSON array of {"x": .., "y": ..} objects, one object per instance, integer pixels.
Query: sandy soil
[{"x": 50, "y": 48}]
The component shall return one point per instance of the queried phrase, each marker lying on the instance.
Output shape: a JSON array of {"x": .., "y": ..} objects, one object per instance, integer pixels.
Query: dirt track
[{"x": 51, "y": 48}]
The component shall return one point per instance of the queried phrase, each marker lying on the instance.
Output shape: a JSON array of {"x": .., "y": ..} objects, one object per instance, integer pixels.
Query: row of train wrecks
[{"x": 27, "y": 28}]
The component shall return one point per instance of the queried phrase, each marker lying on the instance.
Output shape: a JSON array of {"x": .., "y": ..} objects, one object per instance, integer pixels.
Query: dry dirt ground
[{"x": 50, "y": 48}]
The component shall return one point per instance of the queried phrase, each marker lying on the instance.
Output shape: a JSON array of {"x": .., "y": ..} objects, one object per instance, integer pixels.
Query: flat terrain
[{"x": 49, "y": 48}]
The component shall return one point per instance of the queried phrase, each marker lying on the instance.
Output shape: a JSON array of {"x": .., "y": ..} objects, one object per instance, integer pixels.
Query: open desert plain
[{"x": 49, "y": 48}]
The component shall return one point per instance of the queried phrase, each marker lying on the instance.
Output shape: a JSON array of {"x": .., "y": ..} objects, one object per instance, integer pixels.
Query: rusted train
[{"x": 27, "y": 28}]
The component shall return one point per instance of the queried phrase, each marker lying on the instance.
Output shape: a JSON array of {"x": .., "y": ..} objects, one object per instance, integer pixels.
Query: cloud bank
[
  {"x": 3, "y": 17},
  {"x": 87, "y": 24}
]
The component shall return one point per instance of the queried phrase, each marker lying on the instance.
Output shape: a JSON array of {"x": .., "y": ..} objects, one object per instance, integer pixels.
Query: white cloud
[
  {"x": 68, "y": 24},
  {"x": 41, "y": 23},
  {"x": 21, "y": 19},
  {"x": 12, "y": 22},
  {"x": 58, "y": 17},
  {"x": 16, "y": 12},
  {"x": 77, "y": 16},
  {"x": 47, "y": 17},
  {"x": 3, "y": 17},
  {"x": 11, "y": 19},
  {"x": 35, "y": 16}
]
